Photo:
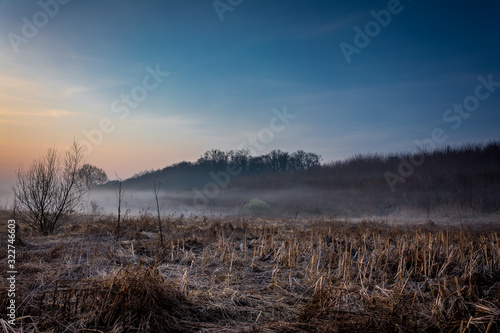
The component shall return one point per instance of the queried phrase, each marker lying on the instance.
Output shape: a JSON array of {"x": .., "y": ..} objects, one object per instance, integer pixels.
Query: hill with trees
[
  {"x": 189, "y": 175},
  {"x": 448, "y": 181}
]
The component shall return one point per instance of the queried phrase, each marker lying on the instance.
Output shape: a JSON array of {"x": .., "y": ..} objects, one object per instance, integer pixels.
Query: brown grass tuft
[{"x": 139, "y": 299}]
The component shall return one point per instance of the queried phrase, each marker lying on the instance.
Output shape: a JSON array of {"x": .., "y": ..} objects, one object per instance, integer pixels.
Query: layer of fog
[
  {"x": 196, "y": 202},
  {"x": 6, "y": 199},
  {"x": 291, "y": 202}
]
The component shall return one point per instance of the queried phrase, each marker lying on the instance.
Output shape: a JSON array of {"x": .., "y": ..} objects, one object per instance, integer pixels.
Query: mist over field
[
  {"x": 249, "y": 166},
  {"x": 6, "y": 198},
  {"x": 448, "y": 182},
  {"x": 229, "y": 202}
]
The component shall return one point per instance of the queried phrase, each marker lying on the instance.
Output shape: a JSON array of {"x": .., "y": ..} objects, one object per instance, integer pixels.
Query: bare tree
[
  {"x": 119, "y": 197},
  {"x": 156, "y": 189},
  {"x": 49, "y": 190}
]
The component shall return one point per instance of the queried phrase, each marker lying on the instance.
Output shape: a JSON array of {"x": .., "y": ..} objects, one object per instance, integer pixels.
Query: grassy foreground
[{"x": 252, "y": 275}]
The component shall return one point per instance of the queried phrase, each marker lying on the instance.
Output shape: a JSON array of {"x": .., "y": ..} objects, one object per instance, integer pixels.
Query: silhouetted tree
[
  {"x": 240, "y": 158},
  {"x": 300, "y": 160},
  {"x": 214, "y": 158},
  {"x": 91, "y": 176}
]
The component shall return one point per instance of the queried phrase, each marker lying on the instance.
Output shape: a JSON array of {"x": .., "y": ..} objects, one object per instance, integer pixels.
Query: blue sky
[{"x": 226, "y": 77}]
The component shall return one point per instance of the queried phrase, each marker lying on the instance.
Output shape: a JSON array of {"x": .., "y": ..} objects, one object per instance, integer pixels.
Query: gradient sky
[{"x": 226, "y": 77}]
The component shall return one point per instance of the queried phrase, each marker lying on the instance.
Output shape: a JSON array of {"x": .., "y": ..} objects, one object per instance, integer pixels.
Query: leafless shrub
[{"x": 49, "y": 190}]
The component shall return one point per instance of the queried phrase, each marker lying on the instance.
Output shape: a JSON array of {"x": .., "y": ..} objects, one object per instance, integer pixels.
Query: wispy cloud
[
  {"x": 56, "y": 113},
  {"x": 173, "y": 120},
  {"x": 77, "y": 90},
  {"x": 76, "y": 56}
]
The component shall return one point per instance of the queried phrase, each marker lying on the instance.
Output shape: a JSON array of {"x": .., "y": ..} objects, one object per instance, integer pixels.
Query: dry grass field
[{"x": 215, "y": 274}]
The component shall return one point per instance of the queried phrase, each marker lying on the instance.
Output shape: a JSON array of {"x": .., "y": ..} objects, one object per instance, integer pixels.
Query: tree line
[
  {"x": 186, "y": 175},
  {"x": 275, "y": 161}
]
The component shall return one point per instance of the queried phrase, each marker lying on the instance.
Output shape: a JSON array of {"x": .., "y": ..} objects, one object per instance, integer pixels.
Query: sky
[{"x": 145, "y": 84}]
